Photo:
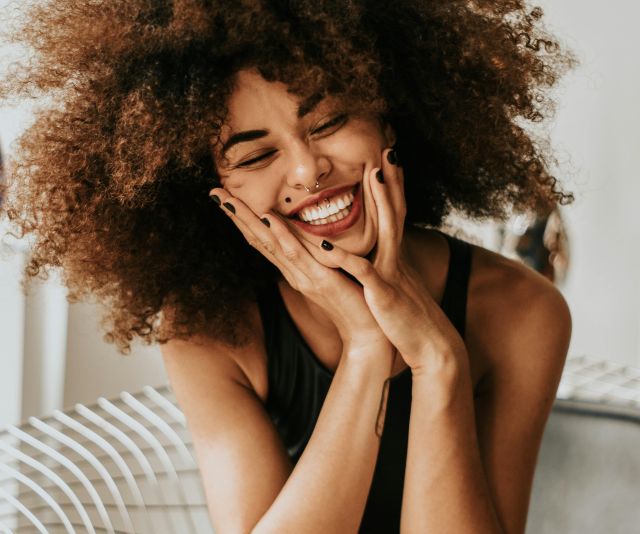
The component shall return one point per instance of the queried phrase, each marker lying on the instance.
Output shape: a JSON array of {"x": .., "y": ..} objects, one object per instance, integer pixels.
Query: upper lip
[{"x": 321, "y": 196}]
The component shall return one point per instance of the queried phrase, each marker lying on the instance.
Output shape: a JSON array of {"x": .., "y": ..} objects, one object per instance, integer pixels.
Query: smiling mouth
[
  {"x": 331, "y": 216},
  {"x": 329, "y": 210}
]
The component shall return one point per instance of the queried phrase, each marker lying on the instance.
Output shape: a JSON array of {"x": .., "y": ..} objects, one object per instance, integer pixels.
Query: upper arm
[
  {"x": 242, "y": 460},
  {"x": 528, "y": 342}
]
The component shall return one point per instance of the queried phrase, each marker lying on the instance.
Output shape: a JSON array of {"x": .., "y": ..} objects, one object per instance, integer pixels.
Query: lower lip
[{"x": 335, "y": 228}]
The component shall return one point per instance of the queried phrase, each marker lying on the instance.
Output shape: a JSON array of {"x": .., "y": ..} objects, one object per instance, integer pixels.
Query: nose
[{"x": 307, "y": 167}]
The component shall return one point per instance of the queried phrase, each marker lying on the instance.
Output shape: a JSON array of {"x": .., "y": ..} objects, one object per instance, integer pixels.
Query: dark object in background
[{"x": 540, "y": 242}]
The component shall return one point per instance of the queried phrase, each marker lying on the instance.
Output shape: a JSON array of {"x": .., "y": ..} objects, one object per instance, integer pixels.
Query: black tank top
[{"x": 298, "y": 384}]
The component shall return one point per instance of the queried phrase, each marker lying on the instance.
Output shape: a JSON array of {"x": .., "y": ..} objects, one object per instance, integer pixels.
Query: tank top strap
[
  {"x": 454, "y": 300},
  {"x": 269, "y": 303}
]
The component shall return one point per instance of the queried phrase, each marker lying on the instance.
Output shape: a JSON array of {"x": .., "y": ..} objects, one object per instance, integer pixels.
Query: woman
[{"x": 361, "y": 372}]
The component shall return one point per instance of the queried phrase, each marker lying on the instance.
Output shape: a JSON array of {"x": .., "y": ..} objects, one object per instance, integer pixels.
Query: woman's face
[{"x": 281, "y": 153}]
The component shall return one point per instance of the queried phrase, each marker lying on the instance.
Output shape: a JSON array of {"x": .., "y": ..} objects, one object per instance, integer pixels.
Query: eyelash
[{"x": 333, "y": 122}]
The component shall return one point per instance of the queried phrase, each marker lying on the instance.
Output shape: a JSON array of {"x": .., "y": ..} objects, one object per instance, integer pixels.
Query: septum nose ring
[{"x": 308, "y": 190}]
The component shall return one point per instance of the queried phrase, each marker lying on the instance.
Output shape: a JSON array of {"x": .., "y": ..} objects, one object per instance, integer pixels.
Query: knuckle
[
  {"x": 387, "y": 295},
  {"x": 291, "y": 254},
  {"x": 365, "y": 267},
  {"x": 305, "y": 284},
  {"x": 385, "y": 271},
  {"x": 322, "y": 287},
  {"x": 306, "y": 289},
  {"x": 269, "y": 247},
  {"x": 293, "y": 282}
]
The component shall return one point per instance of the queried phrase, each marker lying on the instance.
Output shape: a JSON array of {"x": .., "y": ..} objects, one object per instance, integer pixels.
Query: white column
[
  {"x": 11, "y": 328},
  {"x": 45, "y": 347}
]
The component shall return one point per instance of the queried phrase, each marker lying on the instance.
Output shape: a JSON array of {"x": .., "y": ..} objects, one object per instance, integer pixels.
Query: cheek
[
  {"x": 257, "y": 199},
  {"x": 359, "y": 143}
]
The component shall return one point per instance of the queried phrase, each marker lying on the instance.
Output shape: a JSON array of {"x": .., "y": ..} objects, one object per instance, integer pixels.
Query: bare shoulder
[
  {"x": 520, "y": 325},
  {"x": 245, "y": 365},
  {"x": 513, "y": 314},
  {"x": 230, "y": 428}
]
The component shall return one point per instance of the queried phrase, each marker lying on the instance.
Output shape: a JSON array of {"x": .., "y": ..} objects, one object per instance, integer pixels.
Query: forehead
[
  {"x": 256, "y": 102},
  {"x": 253, "y": 96}
]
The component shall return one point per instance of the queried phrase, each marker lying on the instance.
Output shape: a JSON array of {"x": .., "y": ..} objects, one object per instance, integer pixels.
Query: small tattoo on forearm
[{"x": 383, "y": 408}]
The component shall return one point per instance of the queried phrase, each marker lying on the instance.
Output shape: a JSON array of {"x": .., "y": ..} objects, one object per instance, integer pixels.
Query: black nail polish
[
  {"x": 216, "y": 199},
  {"x": 266, "y": 222},
  {"x": 392, "y": 157},
  {"x": 380, "y": 176},
  {"x": 229, "y": 207},
  {"x": 326, "y": 245}
]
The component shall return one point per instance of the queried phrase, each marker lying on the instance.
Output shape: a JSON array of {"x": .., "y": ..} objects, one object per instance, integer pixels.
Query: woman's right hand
[{"x": 305, "y": 267}]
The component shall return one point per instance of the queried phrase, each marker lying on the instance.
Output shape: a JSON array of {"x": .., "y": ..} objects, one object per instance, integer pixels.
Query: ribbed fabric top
[{"x": 298, "y": 384}]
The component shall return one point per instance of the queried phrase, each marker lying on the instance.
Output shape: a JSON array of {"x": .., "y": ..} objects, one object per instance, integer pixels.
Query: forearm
[
  {"x": 328, "y": 488},
  {"x": 445, "y": 488}
]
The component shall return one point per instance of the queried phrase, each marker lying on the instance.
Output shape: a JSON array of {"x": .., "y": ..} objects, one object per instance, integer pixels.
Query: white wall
[
  {"x": 598, "y": 124},
  {"x": 95, "y": 367}
]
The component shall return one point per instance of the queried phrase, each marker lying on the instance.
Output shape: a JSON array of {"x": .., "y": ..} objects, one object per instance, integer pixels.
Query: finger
[
  {"x": 395, "y": 173},
  {"x": 235, "y": 209},
  {"x": 378, "y": 293},
  {"x": 343, "y": 291},
  {"x": 394, "y": 178},
  {"x": 359, "y": 268},
  {"x": 253, "y": 230},
  {"x": 394, "y": 312},
  {"x": 326, "y": 258},
  {"x": 306, "y": 260},
  {"x": 388, "y": 241}
]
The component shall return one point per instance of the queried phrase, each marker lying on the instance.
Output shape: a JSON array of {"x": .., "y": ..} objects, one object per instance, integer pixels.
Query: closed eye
[
  {"x": 337, "y": 120},
  {"x": 256, "y": 159}
]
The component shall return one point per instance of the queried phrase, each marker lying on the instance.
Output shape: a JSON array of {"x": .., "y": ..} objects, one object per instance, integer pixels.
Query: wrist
[
  {"x": 369, "y": 351},
  {"x": 443, "y": 378},
  {"x": 361, "y": 341},
  {"x": 441, "y": 367}
]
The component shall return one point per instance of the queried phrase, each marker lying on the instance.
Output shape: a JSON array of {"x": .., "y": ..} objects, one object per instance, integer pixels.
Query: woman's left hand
[{"x": 394, "y": 291}]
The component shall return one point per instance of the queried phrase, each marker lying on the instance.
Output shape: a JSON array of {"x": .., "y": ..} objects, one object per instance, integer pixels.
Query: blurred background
[{"x": 52, "y": 354}]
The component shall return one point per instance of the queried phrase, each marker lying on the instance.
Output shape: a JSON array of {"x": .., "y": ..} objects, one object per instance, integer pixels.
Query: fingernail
[
  {"x": 380, "y": 176},
  {"x": 392, "y": 157},
  {"x": 326, "y": 245},
  {"x": 229, "y": 207},
  {"x": 266, "y": 222},
  {"x": 216, "y": 199}
]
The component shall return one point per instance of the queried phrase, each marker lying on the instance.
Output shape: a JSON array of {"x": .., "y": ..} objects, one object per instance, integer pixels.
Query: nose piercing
[{"x": 317, "y": 185}]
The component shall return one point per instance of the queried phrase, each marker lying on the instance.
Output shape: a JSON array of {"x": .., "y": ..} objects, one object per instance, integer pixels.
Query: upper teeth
[{"x": 330, "y": 206}]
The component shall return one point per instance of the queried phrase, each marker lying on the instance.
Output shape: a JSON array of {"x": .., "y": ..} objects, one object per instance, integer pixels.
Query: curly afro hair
[{"x": 112, "y": 178}]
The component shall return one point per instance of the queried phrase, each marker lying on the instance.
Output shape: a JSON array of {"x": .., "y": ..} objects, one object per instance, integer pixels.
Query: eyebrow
[
  {"x": 304, "y": 109},
  {"x": 242, "y": 137},
  {"x": 309, "y": 104}
]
